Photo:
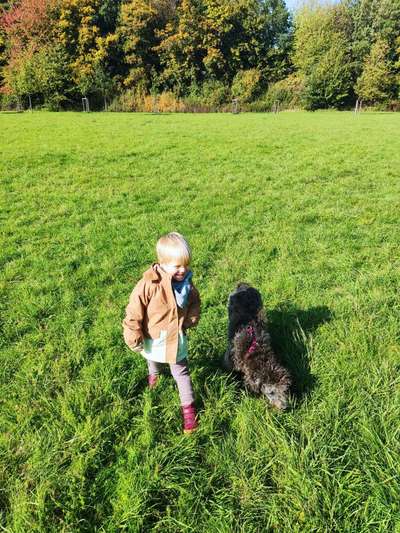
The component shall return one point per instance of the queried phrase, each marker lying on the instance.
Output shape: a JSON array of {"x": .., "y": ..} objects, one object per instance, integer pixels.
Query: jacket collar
[{"x": 156, "y": 274}]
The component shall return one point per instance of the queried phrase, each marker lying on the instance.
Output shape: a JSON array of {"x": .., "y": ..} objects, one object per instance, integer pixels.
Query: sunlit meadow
[{"x": 303, "y": 206}]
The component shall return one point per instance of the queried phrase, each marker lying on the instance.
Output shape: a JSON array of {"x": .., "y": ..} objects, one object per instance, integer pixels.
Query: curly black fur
[{"x": 262, "y": 372}]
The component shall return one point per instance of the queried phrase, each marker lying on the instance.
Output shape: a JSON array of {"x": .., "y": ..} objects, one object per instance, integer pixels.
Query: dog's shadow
[{"x": 290, "y": 330}]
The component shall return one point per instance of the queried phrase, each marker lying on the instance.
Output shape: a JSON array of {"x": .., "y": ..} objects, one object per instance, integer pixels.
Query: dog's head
[
  {"x": 277, "y": 394},
  {"x": 244, "y": 303}
]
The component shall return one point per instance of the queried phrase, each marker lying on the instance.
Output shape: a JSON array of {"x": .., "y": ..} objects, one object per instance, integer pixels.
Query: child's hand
[{"x": 138, "y": 348}]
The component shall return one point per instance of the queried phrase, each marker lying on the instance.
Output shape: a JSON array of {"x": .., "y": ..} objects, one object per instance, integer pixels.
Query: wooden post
[
  {"x": 154, "y": 108},
  {"x": 275, "y": 107}
]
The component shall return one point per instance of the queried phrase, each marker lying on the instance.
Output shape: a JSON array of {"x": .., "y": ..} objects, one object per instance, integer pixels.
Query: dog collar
[{"x": 254, "y": 345}]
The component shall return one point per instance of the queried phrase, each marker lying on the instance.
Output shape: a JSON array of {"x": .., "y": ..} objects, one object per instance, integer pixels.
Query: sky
[{"x": 292, "y": 4}]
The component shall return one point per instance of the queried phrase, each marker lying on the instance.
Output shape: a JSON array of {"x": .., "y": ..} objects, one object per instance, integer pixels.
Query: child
[{"x": 162, "y": 306}]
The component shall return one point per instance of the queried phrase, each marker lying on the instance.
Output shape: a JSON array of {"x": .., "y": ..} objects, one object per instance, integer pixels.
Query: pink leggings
[{"x": 180, "y": 373}]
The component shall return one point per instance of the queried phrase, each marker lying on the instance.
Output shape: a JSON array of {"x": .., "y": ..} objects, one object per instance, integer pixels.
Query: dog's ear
[
  {"x": 261, "y": 316},
  {"x": 242, "y": 285},
  {"x": 254, "y": 299}
]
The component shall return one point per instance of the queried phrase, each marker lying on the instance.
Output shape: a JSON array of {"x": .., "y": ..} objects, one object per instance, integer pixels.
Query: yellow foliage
[
  {"x": 149, "y": 103},
  {"x": 135, "y": 100},
  {"x": 168, "y": 103}
]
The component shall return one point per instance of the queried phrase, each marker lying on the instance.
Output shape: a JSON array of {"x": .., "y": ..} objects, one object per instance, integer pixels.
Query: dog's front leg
[{"x": 227, "y": 360}]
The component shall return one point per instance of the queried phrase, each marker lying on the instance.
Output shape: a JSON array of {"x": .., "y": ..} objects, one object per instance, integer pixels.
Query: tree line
[{"x": 199, "y": 54}]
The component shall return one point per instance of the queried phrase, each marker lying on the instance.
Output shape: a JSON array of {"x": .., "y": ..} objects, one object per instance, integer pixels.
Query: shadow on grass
[
  {"x": 11, "y": 112},
  {"x": 158, "y": 113},
  {"x": 290, "y": 330}
]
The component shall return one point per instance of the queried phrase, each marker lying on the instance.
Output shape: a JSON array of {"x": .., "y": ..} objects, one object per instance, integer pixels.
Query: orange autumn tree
[{"x": 31, "y": 50}]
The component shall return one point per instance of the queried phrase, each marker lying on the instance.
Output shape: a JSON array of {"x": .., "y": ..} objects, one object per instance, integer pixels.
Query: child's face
[{"x": 176, "y": 270}]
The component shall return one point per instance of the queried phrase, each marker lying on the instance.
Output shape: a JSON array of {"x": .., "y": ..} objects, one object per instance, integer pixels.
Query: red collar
[{"x": 254, "y": 345}]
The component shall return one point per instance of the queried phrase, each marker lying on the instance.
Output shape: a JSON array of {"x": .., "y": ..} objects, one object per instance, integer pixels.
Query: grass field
[{"x": 305, "y": 207}]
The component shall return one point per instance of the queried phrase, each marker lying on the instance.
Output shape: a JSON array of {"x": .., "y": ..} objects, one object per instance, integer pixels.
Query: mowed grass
[{"x": 303, "y": 206}]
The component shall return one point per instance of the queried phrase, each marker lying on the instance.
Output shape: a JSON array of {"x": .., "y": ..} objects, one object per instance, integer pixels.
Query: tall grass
[{"x": 305, "y": 207}]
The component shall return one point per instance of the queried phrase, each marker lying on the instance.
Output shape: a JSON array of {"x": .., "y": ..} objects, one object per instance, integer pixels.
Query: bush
[
  {"x": 246, "y": 85},
  {"x": 215, "y": 93},
  {"x": 169, "y": 103},
  {"x": 209, "y": 97},
  {"x": 8, "y": 102},
  {"x": 132, "y": 100},
  {"x": 288, "y": 92},
  {"x": 194, "y": 104},
  {"x": 258, "y": 106},
  {"x": 127, "y": 101},
  {"x": 394, "y": 105},
  {"x": 328, "y": 84}
]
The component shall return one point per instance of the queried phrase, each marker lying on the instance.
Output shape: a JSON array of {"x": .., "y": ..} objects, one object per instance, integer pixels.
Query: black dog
[{"x": 249, "y": 347}]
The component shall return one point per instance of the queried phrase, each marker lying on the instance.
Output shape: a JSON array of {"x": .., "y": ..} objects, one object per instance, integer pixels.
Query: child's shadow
[{"x": 290, "y": 329}]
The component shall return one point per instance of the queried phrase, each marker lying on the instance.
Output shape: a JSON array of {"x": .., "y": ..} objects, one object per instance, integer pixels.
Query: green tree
[
  {"x": 20, "y": 76},
  {"x": 246, "y": 84},
  {"x": 41, "y": 73},
  {"x": 139, "y": 35},
  {"x": 376, "y": 21},
  {"x": 102, "y": 83},
  {"x": 181, "y": 47},
  {"x": 329, "y": 82},
  {"x": 53, "y": 75},
  {"x": 214, "y": 40},
  {"x": 322, "y": 55},
  {"x": 80, "y": 36},
  {"x": 376, "y": 83},
  {"x": 245, "y": 35},
  {"x": 107, "y": 16},
  {"x": 373, "y": 20}
]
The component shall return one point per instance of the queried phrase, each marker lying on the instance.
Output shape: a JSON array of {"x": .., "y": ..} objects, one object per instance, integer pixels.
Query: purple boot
[
  {"x": 152, "y": 380},
  {"x": 189, "y": 418}
]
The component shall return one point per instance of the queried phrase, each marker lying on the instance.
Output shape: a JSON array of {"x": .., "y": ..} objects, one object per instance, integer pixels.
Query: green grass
[{"x": 303, "y": 206}]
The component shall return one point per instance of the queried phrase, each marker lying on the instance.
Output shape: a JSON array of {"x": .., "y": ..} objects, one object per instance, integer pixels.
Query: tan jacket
[{"x": 153, "y": 318}]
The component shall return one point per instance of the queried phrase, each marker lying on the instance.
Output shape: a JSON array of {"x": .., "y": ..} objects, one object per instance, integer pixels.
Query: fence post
[
  {"x": 276, "y": 107},
  {"x": 85, "y": 104},
  {"x": 154, "y": 108},
  {"x": 358, "y": 107}
]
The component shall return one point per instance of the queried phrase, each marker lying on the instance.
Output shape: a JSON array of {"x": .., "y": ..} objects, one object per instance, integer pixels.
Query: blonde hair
[{"x": 175, "y": 247}]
